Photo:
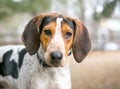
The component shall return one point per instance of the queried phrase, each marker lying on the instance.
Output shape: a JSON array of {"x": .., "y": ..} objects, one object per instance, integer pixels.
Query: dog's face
[
  {"x": 56, "y": 37},
  {"x": 57, "y": 34}
]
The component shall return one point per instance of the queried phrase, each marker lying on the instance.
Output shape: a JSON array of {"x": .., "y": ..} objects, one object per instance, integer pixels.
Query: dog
[{"x": 42, "y": 62}]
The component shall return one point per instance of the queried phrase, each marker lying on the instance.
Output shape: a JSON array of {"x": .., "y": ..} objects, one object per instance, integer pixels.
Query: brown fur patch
[
  {"x": 82, "y": 43},
  {"x": 44, "y": 39},
  {"x": 68, "y": 41},
  {"x": 30, "y": 35}
]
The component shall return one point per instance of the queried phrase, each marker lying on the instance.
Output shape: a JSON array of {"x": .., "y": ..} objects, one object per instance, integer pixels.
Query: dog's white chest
[{"x": 58, "y": 78}]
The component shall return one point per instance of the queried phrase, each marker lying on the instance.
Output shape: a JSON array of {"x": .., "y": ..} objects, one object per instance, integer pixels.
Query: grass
[{"x": 100, "y": 70}]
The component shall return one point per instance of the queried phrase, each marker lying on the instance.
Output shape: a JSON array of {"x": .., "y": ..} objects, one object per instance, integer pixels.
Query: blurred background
[{"x": 100, "y": 70}]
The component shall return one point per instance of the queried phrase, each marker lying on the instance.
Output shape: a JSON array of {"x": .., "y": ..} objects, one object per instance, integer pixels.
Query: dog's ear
[
  {"x": 30, "y": 36},
  {"x": 81, "y": 42}
]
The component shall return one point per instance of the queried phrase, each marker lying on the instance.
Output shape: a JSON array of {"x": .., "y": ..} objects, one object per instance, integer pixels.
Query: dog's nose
[{"x": 56, "y": 55}]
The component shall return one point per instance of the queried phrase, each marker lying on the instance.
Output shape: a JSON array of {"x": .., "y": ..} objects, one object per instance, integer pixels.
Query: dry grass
[{"x": 100, "y": 70}]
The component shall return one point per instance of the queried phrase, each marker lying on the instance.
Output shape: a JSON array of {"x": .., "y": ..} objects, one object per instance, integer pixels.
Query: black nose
[{"x": 56, "y": 55}]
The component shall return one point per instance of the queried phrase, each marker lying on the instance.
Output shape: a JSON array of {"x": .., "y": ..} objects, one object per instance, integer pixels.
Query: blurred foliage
[
  {"x": 9, "y": 7},
  {"x": 81, "y": 5},
  {"x": 108, "y": 9},
  {"x": 63, "y": 1}
]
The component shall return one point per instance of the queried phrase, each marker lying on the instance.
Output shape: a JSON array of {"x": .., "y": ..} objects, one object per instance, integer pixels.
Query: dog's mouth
[
  {"x": 51, "y": 64},
  {"x": 55, "y": 64}
]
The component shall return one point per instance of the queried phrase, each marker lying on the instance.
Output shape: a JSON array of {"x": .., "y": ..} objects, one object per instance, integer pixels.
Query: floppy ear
[
  {"x": 81, "y": 42},
  {"x": 30, "y": 36}
]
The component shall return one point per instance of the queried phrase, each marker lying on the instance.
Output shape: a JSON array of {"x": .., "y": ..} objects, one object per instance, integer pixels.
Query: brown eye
[
  {"x": 68, "y": 35},
  {"x": 47, "y": 32}
]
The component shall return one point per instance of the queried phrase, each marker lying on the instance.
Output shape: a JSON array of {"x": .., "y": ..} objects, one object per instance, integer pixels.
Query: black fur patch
[
  {"x": 21, "y": 57},
  {"x": 70, "y": 23},
  {"x": 48, "y": 19},
  {"x": 1, "y": 86},
  {"x": 8, "y": 67}
]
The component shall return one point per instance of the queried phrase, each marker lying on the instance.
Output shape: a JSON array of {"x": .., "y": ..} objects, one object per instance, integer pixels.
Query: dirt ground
[{"x": 100, "y": 70}]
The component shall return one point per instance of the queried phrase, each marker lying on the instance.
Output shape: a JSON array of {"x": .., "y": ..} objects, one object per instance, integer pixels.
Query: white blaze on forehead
[
  {"x": 58, "y": 23},
  {"x": 57, "y": 42},
  {"x": 58, "y": 34}
]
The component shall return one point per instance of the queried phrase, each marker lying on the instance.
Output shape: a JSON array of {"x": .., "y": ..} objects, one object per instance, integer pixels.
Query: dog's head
[{"x": 57, "y": 34}]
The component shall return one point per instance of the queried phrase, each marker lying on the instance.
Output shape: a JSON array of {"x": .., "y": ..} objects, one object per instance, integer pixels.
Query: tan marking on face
[
  {"x": 68, "y": 41},
  {"x": 56, "y": 42},
  {"x": 45, "y": 40}
]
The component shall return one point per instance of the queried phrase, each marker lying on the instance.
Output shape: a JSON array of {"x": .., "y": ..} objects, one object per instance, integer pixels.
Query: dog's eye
[
  {"x": 68, "y": 35},
  {"x": 47, "y": 32}
]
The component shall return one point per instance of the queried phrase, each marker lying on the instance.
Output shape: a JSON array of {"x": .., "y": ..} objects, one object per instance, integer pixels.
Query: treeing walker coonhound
[{"x": 43, "y": 63}]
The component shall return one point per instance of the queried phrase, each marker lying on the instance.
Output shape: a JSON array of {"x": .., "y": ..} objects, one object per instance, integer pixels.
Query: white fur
[{"x": 32, "y": 75}]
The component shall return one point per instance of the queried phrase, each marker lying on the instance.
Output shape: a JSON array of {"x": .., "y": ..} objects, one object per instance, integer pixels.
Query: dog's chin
[{"x": 55, "y": 65}]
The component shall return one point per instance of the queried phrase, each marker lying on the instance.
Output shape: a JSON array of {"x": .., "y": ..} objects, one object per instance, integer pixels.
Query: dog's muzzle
[{"x": 56, "y": 58}]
